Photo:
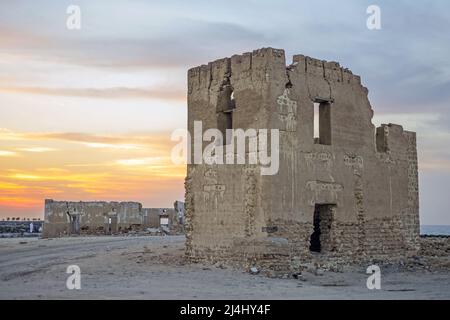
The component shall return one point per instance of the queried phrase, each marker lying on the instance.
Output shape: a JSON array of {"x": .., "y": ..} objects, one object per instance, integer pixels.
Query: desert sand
[{"x": 153, "y": 267}]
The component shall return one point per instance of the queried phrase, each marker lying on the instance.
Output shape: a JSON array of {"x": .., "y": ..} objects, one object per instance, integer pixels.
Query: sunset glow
[
  {"x": 87, "y": 114},
  {"x": 70, "y": 167}
]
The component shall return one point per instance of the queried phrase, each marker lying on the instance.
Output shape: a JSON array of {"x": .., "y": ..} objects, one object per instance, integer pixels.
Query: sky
[{"x": 87, "y": 114}]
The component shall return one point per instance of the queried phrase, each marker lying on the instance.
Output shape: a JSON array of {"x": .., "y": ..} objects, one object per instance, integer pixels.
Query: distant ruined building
[
  {"x": 349, "y": 194},
  {"x": 68, "y": 218}
]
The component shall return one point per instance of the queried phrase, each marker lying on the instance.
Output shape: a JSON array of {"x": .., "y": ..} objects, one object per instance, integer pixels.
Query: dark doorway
[
  {"x": 113, "y": 224},
  {"x": 74, "y": 224},
  {"x": 109, "y": 224},
  {"x": 315, "y": 236},
  {"x": 321, "y": 237}
]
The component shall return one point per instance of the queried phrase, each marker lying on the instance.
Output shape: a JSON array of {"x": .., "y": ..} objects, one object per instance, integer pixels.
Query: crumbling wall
[
  {"x": 152, "y": 218},
  {"x": 223, "y": 203},
  {"x": 368, "y": 174},
  {"x": 93, "y": 216},
  {"x": 97, "y": 217}
]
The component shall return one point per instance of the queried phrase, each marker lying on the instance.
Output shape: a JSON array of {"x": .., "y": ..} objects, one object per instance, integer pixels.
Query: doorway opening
[
  {"x": 74, "y": 224},
  {"x": 112, "y": 224},
  {"x": 321, "y": 238}
]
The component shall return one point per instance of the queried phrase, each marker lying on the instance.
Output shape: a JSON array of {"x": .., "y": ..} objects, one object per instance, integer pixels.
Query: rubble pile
[{"x": 436, "y": 246}]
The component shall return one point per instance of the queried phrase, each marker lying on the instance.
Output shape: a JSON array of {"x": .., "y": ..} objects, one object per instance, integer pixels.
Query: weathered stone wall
[
  {"x": 152, "y": 218},
  {"x": 92, "y": 216},
  {"x": 368, "y": 174}
]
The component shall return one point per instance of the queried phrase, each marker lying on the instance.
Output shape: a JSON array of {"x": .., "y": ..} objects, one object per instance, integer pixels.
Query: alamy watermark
[
  {"x": 374, "y": 19},
  {"x": 74, "y": 280},
  {"x": 73, "y": 21},
  {"x": 374, "y": 280},
  {"x": 229, "y": 150}
]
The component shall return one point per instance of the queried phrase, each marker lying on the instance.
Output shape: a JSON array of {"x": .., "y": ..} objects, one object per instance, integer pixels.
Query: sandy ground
[{"x": 154, "y": 268}]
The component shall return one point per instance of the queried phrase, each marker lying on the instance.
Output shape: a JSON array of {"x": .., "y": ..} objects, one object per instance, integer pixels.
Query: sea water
[{"x": 435, "y": 230}]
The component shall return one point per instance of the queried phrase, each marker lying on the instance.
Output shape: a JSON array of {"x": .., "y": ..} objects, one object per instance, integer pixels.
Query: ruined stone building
[
  {"x": 348, "y": 193},
  {"x": 100, "y": 217}
]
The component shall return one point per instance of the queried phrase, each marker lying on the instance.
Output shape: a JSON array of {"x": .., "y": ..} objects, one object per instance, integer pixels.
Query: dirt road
[{"x": 154, "y": 268}]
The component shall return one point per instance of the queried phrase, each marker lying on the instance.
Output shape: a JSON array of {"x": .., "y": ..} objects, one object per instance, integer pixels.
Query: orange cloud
[
  {"x": 157, "y": 141},
  {"x": 37, "y": 149},
  {"x": 6, "y": 153}
]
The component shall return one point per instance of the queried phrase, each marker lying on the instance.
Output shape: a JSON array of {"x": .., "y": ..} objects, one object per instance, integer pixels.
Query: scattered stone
[
  {"x": 219, "y": 265},
  {"x": 254, "y": 270},
  {"x": 319, "y": 272},
  {"x": 165, "y": 230},
  {"x": 298, "y": 276}
]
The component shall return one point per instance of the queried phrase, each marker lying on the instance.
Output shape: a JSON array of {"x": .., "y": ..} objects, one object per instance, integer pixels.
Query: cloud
[
  {"x": 9, "y": 135},
  {"x": 97, "y": 145},
  {"x": 22, "y": 176},
  {"x": 141, "y": 161},
  {"x": 409, "y": 121},
  {"x": 434, "y": 164},
  {"x": 175, "y": 94},
  {"x": 6, "y": 153},
  {"x": 37, "y": 149},
  {"x": 191, "y": 42},
  {"x": 158, "y": 141}
]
